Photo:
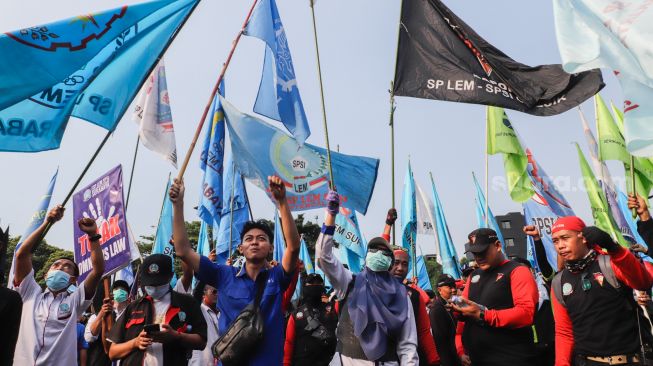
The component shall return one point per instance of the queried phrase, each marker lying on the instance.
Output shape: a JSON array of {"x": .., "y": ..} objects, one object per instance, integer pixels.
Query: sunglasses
[
  {"x": 384, "y": 252},
  {"x": 212, "y": 291}
]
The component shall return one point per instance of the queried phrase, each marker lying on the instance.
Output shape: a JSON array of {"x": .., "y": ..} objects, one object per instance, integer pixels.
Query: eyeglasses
[{"x": 211, "y": 291}]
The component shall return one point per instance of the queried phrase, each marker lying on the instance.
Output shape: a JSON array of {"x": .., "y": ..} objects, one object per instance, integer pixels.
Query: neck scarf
[
  {"x": 579, "y": 266},
  {"x": 378, "y": 308}
]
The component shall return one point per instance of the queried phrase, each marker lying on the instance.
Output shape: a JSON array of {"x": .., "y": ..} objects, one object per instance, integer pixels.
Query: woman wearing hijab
[{"x": 376, "y": 325}]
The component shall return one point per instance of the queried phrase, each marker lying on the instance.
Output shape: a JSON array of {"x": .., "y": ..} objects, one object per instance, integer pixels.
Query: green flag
[
  {"x": 612, "y": 145},
  {"x": 643, "y": 166},
  {"x": 598, "y": 203},
  {"x": 502, "y": 138}
]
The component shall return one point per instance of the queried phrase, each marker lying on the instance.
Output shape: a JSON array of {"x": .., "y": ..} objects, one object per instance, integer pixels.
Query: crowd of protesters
[{"x": 593, "y": 309}]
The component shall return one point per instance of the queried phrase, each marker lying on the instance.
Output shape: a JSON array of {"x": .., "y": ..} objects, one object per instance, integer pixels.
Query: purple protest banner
[{"x": 102, "y": 201}]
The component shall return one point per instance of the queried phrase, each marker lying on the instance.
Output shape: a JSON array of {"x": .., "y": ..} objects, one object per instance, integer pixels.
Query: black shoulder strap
[
  {"x": 606, "y": 268},
  {"x": 556, "y": 284},
  {"x": 261, "y": 282}
]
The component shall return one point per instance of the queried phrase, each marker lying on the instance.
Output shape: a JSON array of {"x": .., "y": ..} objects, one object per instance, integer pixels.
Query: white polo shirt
[
  {"x": 205, "y": 357},
  {"x": 48, "y": 330}
]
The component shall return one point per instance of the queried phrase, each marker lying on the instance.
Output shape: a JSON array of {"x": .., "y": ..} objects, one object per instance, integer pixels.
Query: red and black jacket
[{"x": 184, "y": 315}]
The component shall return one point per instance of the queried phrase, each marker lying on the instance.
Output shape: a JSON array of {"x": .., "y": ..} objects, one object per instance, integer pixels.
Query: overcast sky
[{"x": 357, "y": 45}]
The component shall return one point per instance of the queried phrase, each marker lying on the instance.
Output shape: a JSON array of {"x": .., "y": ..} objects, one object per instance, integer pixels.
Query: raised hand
[
  {"x": 55, "y": 214},
  {"x": 176, "y": 192},
  {"x": 532, "y": 231},
  {"x": 87, "y": 225},
  {"x": 391, "y": 217},
  {"x": 640, "y": 205},
  {"x": 277, "y": 189}
]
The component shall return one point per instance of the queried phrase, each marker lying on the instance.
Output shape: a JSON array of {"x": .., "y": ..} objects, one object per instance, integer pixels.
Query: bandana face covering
[{"x": 580, "y": 265}]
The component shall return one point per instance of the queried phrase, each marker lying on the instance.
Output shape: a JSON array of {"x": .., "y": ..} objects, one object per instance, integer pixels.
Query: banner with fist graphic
[{"x": 102, "y": 201}]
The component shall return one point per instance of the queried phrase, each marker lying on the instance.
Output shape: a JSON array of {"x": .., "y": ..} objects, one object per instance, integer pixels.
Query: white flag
[
  {"x": 425, "y": 208},
  {"x": 616, "y": 35},
  {"x": 155, "y": 117}
]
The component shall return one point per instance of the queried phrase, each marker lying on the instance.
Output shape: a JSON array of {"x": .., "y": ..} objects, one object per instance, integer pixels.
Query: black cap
[
  {"x": 379, "y": 243},
  {"x": 446, "y": 280},
  {"x": 120, "y": 283},
  {"x": 156, "y": 270},
  {"x": 483, "y": 238}
]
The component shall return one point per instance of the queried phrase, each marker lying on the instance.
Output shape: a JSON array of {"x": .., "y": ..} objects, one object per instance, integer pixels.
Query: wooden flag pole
[
  {"x": 633, "y": 185},
  {"x": 107, "y": 321},
  {"x": 332, "y": 183},
  {"x": 131, "y": 175},
  {"x": 189, "y": 153}
]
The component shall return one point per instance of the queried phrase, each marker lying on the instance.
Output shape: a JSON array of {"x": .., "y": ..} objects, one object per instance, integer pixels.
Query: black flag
[{"x": 441, "y": 57}]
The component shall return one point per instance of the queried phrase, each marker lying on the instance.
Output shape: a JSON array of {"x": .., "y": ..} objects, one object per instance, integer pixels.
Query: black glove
[
  {"x": 392, "y": 217},
  {"x": 594, "y": 235}
]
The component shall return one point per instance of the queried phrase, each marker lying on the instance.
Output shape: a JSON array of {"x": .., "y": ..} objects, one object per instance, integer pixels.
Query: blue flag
[
  {"x": 35, "y": 221},
  {"x": 163, "y": 234},
  {"x": 327, "y": 284},
  {"x": 409, "y": 214},
  {"x": 348, "y": 233},
  {"x": 279, "y": 240},
  {"x": 546, "y": 205},
  {"x": 448, "y": 255},
  {"x": 278, "y": 95},
  {"x": 211, "y": 162},
  {"x": 423, "y": 280},
  {"x": 203, "y": 245},
  {"x": 232, "y": 222},
  {"x": 100, "y": 89},
  {"x": 480, "y": 214},
  {"x": 305, "y": 257},
  {"x": 261, "y": 150}
]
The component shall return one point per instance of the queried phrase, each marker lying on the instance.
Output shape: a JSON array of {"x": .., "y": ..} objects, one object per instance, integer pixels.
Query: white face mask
[{"x": 157, "y": 292}]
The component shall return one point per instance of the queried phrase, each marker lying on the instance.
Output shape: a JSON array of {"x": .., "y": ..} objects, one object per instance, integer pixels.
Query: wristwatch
[{"x": 481, "y": 315}]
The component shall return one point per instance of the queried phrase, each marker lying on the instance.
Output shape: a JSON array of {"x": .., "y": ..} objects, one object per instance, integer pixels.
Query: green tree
[
  {"x": 42, "y": 258},
  {"x": 433, "y": 268}
]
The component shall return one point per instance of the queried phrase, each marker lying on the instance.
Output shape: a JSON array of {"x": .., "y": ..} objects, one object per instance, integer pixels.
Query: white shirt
[
  {"x": 340, "y": 277},
  {"x": 48, "y": 330},
  {"x": 205, "y": 356},
  {"x": 154, "y": 353},
  {"x": 179, "y": 287}
]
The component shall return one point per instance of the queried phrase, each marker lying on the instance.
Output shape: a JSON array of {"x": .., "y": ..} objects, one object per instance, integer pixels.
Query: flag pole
[
  {"x": 184, "y": 165},
  {"x": 392, "y": 120},
  {"x": 487, "y": 170},
  {"x": 632, "y": 178},
  {"x": 231, "y": 206},
  {"x": 332, "y": 183},
  {"x": 106, "y": 137},
  {"x": 163, "y": 204},
  {"x": 392, "y": 151},
  {"x": 131, "y": 175},
  {"x": 249, "y": 207}
]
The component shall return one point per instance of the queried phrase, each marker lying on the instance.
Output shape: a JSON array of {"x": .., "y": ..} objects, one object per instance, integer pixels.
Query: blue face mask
[
  {"x": 120, "y": 295},
  {"x": 377, "y": 261},
  {"x": 57, "y": 280}
]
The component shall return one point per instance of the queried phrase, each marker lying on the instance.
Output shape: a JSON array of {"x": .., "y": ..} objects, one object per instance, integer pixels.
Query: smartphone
[
  {"x": 458, "y": 301},
  {"x": 152, "y": 328}
]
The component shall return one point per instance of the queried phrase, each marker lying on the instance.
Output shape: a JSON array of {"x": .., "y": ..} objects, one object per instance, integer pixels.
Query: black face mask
[{"x": 312, "y": 294}]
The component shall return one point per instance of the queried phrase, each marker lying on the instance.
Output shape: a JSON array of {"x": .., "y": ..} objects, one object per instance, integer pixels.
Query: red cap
[
  {"x": 397, "y": 252},
  {"x": 573, "y": 223}
]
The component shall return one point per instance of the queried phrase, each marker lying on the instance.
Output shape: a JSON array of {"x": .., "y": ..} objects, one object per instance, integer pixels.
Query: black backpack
[{"x": 240, "y": 341}]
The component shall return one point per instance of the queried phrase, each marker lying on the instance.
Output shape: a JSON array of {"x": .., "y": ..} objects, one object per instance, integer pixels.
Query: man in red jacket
[
  {"x": 425, "y": 343},
  {"x": 592, "y": 297},
  {"x": 497, "y": 308}
]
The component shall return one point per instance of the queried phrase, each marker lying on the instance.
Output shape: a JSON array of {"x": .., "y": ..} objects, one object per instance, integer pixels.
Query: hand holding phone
[{"x": 152, "y": 328}]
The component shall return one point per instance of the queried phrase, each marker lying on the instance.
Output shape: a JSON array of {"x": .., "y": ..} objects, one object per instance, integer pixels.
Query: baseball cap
[
  {"x": 446, "y": 280},
  {"x": 156, "y": 270},
  {"x": 379, "y": 243},
  {"x": 120, "y": 283},
  {"x": 483, "y": 238}
]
